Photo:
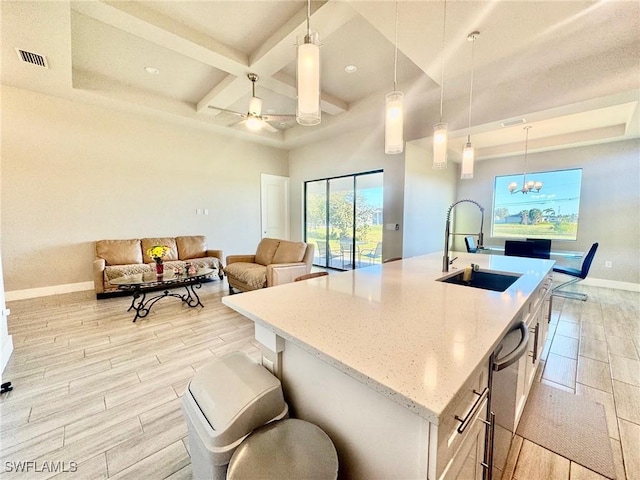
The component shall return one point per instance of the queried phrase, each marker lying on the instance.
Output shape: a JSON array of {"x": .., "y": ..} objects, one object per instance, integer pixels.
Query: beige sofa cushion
[
  {"x": 147, "y": 243},
  {"x": 194, "y": 246},
  {"x": 289, "y": 252},
  {"x": 266, "y": 250},
  {"x": 119, "y": 252},
  {"x": 252, "y": 274}
]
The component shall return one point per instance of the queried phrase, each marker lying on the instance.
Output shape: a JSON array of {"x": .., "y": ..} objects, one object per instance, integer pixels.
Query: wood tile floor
[{"x": 98, "y": 395}]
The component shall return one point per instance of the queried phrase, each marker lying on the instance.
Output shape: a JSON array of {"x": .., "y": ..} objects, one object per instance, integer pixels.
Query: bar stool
[{"x": 286, "y": 449}]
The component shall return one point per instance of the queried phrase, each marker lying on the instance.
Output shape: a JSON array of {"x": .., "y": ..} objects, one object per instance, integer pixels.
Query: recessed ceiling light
[
  {"x": 350, "y": 68},
  {"x": 152, "y": 70}
]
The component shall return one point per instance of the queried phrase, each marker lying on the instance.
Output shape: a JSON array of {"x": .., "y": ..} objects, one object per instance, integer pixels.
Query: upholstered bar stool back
[{"x": 286, "y": 449}]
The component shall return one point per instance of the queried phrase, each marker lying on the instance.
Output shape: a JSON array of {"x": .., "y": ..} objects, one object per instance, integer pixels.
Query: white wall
[
  {"x": 428, "y": 194},
  {"x": 354, "y": 152},
  {"x": 609, "y": 204},
  {"x": 74, "y": 173}
]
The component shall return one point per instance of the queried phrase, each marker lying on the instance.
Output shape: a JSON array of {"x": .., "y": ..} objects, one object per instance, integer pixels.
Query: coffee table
[{"x": 141, "y": 283}]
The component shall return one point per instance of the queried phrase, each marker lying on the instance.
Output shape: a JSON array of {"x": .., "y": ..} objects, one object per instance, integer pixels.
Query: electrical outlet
[
  {"x": 206, "y": 211},
  {"x": 198, "y": 211},
  {"x": 608, "y": 264}
]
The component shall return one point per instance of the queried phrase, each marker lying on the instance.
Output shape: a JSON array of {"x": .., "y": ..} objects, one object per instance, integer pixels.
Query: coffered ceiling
[{"x": 569, "y": 68}]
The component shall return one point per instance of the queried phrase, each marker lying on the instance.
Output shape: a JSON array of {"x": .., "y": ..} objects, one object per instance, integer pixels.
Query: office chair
[
  {"x": 518, "y": 248},
  {"x": 470, "y": 242},
  {"x": 577, "y": 275},
  {"x": 541, "y": 247}
]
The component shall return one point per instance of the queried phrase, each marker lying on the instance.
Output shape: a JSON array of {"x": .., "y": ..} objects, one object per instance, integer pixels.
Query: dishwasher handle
[{"x": 512, "y": 357}]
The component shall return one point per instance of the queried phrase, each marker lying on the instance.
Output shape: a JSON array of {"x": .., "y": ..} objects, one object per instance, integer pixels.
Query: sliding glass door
[{"x": 343, "y": 219}]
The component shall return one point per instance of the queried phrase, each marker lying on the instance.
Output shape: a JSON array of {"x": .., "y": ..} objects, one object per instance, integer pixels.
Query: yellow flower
[{"x": 158, "y": 251}]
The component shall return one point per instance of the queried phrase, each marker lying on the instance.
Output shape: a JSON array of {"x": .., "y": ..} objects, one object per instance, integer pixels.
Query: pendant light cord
[
  {"x": 309, "y": 18},
  {"x": 526, "y": 148},
  {"x": 444, "y": 23},
  {"x": 473, "y": 44},
  {"x": 395, "y": 58}
]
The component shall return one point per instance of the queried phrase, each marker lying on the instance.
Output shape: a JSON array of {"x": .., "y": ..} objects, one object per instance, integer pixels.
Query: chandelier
[{"x": 529, "y": 185}]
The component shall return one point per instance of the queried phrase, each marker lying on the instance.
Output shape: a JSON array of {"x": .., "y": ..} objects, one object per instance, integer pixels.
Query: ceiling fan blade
[
  {"x": 228, "y": 111},
  {"x": 238, "y": 122},
  {"x": 277, "y": 118},
  {"x": 269, "y": 128}
]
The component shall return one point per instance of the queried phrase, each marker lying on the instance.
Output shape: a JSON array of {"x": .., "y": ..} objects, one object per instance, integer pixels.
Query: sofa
[
  {"x": 117, "y": 258},
  {"x": 275, "y": 262}
]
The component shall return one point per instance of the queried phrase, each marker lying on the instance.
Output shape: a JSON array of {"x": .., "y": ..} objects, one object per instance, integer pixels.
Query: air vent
[
  {"x": 32, "y": 58},
  {"x": 510, "y": 123}
]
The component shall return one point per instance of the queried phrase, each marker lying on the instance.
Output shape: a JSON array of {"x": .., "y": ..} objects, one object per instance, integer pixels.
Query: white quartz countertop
[{"x": 394, "y": 327}]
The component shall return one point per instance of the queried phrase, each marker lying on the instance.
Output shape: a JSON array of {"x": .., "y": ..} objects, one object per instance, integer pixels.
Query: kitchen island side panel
[{"x": 375, "y": 437}]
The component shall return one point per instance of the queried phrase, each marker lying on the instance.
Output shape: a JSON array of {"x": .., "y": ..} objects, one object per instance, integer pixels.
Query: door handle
[{"x": 512, "y": 357}]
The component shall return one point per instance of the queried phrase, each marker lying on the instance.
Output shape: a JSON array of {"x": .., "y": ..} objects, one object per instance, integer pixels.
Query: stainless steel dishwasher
[{"x": 503, "y": 396}]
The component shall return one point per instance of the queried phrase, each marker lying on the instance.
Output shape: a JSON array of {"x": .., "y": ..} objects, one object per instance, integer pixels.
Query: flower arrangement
[{"x": 157, "y": 252}]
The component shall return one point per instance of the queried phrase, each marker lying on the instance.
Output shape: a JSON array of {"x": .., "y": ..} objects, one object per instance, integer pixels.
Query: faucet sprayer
[{"x": 447, "y": 231}]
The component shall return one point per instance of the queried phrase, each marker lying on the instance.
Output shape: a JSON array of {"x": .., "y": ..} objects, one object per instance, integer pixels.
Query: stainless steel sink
[{"x": 485, "y": 279}]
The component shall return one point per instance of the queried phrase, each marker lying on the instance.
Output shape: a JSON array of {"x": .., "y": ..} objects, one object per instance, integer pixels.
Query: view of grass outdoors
[
  {"x": 344, "y": 220},
  {"x": 550, "y": 213}
]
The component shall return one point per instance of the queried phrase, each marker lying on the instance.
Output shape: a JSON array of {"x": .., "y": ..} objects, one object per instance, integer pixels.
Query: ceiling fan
[{"x": 253, "y": 119}]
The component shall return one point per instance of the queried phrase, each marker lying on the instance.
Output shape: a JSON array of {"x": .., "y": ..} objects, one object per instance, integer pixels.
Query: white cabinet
[
  {"x": 461, "y": 432},
  {"x": 537, "y": 316}
]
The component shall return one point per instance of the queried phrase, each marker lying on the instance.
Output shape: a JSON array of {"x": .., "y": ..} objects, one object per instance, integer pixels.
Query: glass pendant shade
[
  {"x": 393, "y": 125},
  {"x": 468, "y": 156},
  {"x": 308, "y": 80},
  {"x": 440, "y": 140}
]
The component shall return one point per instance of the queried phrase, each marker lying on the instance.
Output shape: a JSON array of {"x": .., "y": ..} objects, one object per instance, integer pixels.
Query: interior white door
[{"x": 275, "y": 206}]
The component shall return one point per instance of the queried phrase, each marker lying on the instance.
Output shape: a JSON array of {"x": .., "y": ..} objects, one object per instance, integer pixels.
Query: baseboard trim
[
  {"x": 46, "y": 291},
  {"x": 599, "y": 282}
]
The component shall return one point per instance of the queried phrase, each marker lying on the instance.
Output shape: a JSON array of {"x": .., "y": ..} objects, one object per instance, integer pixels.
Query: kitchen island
[{"x": 383, "y": 358}]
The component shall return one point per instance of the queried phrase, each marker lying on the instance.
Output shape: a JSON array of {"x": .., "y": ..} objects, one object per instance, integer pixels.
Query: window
[
  {"x": 343, "y": 218},
  {"x": 549, "y": 213}
]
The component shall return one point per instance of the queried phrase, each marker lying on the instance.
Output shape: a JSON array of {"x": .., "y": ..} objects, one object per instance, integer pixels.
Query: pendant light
[
  {"x": 531, "y": 184},
  {"x": 441, "y": 129},
  {"x": 308, "y": 76},
  {"x": 394, "y": 109},
  {"x": 468, "y": 154}
]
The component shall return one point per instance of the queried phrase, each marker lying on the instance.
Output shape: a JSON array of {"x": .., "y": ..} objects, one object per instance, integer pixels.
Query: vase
[{"x": 159, "y": 268}]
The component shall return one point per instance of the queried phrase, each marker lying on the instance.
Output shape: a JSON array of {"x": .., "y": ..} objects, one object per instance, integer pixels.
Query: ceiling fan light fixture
[
  {"x": 253, "y": 123},
  {"x": 255, "y": 106}
]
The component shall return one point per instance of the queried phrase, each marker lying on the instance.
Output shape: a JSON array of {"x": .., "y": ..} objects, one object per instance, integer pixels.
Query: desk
[
  {"x": 139, "y": 284},
  {"x": 562, "y": 257}
]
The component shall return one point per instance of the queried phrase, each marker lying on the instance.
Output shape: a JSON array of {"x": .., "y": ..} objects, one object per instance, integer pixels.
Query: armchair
[{"x": 274, "y": 263}]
